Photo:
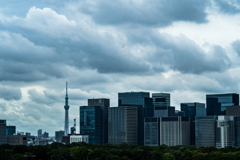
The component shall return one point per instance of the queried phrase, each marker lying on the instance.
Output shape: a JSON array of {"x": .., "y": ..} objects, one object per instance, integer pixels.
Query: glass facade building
[
  {"x": 192, "y": 110},
  {"x": 145, "y": 108},
  {"x": 205, "y": 131},
  {"x": 170, "y": 131},
  {"x": 11, "y": 130},
  {"x": 123, "y": 125},
  {"x": 91, "y": 123},
  {"x": 164, "y": 111},
  {"x": 161, "y": 99},
  {"x": 217, "y": 103},
  {"x": 104, "y": 104},
  {"x": 218, "y": 131},
  {"x": 151, "y": 131}
]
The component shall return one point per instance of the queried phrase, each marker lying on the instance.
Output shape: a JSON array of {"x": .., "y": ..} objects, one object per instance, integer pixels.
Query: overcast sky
[{"x": 188, "y": 48}]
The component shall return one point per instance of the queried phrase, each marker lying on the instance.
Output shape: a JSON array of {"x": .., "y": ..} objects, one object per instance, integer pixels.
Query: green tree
[
  {"x": 80, "y": 153},
  {"x": 168, "y": 156}
]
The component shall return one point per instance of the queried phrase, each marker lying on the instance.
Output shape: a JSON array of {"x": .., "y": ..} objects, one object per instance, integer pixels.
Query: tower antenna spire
[{"x": 66, "y": 88}]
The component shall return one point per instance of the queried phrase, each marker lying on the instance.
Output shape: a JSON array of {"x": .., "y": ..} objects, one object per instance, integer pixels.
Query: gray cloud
[
  {"x": 53, "y": 48},
  {"x": 9, "y": 93},
  {"x": 236, "y": 46},
  {"x": 228, "y": 6},
  {"x": 149, "y": 13}
]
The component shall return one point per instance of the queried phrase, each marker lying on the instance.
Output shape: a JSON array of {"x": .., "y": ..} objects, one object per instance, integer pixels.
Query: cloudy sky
[{"x": 183, "y": 47}]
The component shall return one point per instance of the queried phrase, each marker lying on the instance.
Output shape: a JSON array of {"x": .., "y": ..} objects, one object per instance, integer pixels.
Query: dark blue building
[
  {"x": 104, "y": 103},
  {"x": 217, "y": 103},
  {"x": 91, "y": 123},
  {"x": 192, "y": 110},
  {"x": 145, "y": 108},
  {"x": 137, "y": 98},
  {"x": 11, "y": 130}
]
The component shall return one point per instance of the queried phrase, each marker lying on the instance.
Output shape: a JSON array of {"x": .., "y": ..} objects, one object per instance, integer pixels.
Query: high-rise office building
[
  {"x": 216, "y": 103},
  {"x": 3, "y": 135},
  {"x": 205, "y": 132},
  {"x": 59, "y": 136},
  {"x": 40, "y": 133},
  {"x": 91, "y": 123},
  {"x": 123, "y": 125},
  {"x": 233, "y": 110},
  {"x": 137, "y": 98},
  {"x": 145, "y": 108},
  {"x": 164, "y": 111},
  {"x": 152, "y": 131},
  {"x": 104, "y": 104},
  {"x": 179, "y": 113},
  {"x": 174, "y": 131},
  {"x": 192, "y": 110},
  {"x": 161, "y": 99},
  {"x": 66, "y": 107},
  {"x": 11, "y": 130},
  {"x": 225, "y": 132},
  {"x": 170, "y": 131},
  {"x": 218, "y": 131}
]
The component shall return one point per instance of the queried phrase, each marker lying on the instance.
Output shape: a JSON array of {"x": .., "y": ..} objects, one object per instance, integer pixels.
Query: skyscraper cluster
[{"x": 144, "y": 120}]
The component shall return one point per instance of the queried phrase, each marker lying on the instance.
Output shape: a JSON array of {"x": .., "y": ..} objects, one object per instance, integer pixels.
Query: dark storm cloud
[
  {"x": 39, "y": 49},
  {"x": 9, "y": 93},
  {"x": 149, "y": 12},
  {"x": 180, "y": 53},
  {"x": 228, "y": 6}
]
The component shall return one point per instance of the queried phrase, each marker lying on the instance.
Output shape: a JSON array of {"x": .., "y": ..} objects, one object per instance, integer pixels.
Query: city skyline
[{"x": 185, "y": 48}]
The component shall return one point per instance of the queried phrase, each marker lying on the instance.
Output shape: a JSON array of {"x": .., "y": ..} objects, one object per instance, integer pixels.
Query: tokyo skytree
[{"x": 66, "y": 107}]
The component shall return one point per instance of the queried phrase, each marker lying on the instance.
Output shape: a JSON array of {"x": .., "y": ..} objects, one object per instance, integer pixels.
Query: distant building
[
  {"x": 179, "y": 113},
  {"x": 28, "y": 134},
  {"x": 123, "y": 125},
  {"x": 66, "y": 139},
  {"x": 104, "y": 104},
  {"x": 218, "y": 131},
  {"x": 11, "y": 130},
  {"x": 72, "y": 130},
  {"x": 20, "y": 133},
  {"x": 205, "y": 131},
  {"x": 161, "y": 99},
  {"x": 40, "y": 133},
  {"x": 225, "y": 135},
  {"x": 233, "y": 110},
  {"x": 17, "y": 140},
  {"x": 217, "y": 103},
  {"x": 170, "y": 131},
  {"x": 192, "y": 110},
  {"x": 174, "y": 131},
  {"x": 45, "y": 135},
  {"x": 164, "y": 111},
  {"x": 42, "y": 142},
  {"x": 145, "y": 108},
  {"x": 59, "y": 136},
  {"x": 3, "y": 136},
  {"x": 79, "y": 138},
  {"x": 91, "y": 123},
  {"x": 152, "y": 131}
]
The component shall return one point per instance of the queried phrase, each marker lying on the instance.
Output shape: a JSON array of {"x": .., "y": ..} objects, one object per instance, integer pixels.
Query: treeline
[{"x": 83, "y": 151}]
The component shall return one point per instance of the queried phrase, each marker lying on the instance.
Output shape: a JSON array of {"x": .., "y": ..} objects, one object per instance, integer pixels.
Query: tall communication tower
[{"x": 66, "y": 107}]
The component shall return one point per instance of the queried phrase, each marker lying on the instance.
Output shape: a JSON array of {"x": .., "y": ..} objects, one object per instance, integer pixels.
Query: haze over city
[{"x": 185, "y": 48}]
